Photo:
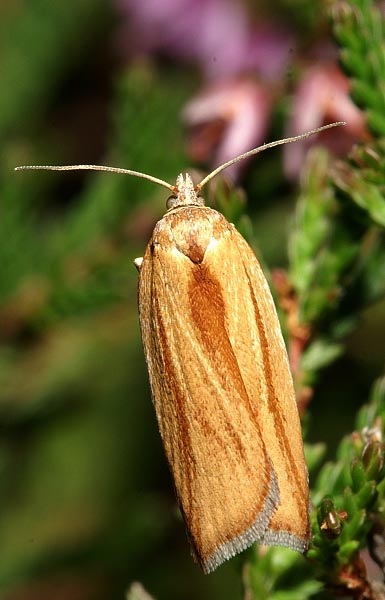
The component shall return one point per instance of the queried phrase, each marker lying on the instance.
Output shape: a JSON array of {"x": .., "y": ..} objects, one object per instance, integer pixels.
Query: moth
[{"x": 220, "y": 378}]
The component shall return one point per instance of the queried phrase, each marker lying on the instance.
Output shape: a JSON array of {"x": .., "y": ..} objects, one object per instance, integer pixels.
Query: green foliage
[
  {"x": 349, "y": 493},
  {"x": 337, "y": 258},
  {"x": 359, "y": 29},
  {"x": 36, "y": 53},
  {"x": 278, "y": 573},
  {"x": 337, "y": 252}
]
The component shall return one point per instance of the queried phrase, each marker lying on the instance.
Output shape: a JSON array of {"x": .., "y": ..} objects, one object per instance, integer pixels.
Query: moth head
[{"x": 185, "y": 193}]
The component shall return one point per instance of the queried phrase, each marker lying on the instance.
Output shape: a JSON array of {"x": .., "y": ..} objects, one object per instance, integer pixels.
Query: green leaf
[
  {"x": 314, "y": 453},
  {"x": 319, "y": 354},
  {"x": 347, "y": 551},
  {"x": 302, "y": 591}
]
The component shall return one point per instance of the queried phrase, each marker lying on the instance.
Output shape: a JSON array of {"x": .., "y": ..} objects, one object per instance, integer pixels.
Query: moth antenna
[
  {"x": 288, "y": 140},
  {"x": 163, "y": 183},
  {"x": 96, "y": 168}
]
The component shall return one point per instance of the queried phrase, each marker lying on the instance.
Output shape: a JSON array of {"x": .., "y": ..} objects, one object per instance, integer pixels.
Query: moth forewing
[
  {"x": 206, "y": 316},
  {"x": 278, "y": 413}
]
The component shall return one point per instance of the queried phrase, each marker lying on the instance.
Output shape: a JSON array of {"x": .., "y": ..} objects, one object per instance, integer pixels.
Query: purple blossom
[
  {"x": 243, "y": 107},
  {"x": 217, "y": 34},
  {"x": 243, "y": 64},
  {"x": 322, "y": 97}
]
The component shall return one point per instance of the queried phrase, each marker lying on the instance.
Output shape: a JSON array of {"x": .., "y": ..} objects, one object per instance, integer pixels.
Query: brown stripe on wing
[
  {"x": 296, "y": 473},
  {"x": 208, "y": 311},
  {"x": 168, "y": 396},
  {"x": 181, "y": 423}
]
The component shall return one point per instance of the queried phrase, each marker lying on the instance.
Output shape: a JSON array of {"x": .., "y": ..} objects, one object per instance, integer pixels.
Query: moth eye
[{"x": 172, "y": 201}]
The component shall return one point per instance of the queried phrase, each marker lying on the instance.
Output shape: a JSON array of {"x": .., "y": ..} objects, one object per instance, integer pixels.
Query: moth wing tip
[{"x": 287, "y": 540}]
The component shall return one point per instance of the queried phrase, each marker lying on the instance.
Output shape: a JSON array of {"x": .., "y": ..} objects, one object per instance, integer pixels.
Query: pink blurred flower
[
  {"x": 239, "y": 110},
  {"x": 322, "y": 97},
  {"x": 231, "y": 114},
  {"x": 217, "y": 34},
  {"x": 244, "y": 65}
]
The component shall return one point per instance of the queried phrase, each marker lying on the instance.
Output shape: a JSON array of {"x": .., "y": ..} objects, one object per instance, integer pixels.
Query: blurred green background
[{"x": 86, "y": 500}]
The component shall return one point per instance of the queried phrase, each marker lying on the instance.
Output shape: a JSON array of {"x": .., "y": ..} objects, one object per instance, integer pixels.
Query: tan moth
[{"x": 220, "y": 378}]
